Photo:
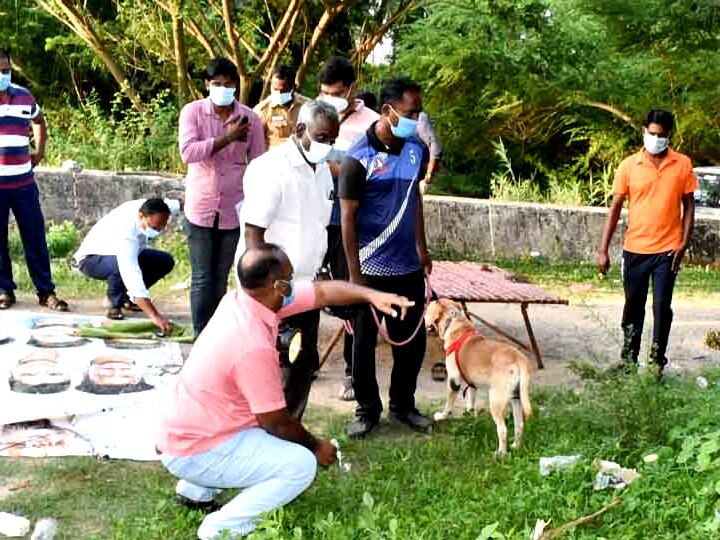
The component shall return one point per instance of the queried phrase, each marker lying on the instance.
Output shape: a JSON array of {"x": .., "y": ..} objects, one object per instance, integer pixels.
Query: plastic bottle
[
  {"x": 45, "y": 529},
  {"x": 557, "y": 463}
]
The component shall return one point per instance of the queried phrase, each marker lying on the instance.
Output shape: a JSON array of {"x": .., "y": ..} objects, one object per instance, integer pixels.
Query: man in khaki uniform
[{"x": 279, "y": 111}]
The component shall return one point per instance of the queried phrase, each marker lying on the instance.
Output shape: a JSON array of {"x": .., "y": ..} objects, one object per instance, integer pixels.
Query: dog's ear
[{"x": 433, "y": 313}]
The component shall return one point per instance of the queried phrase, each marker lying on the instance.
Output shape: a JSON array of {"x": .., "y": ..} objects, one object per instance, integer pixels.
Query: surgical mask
[
  {"x": 289, "y": 298},
  {"x": 280, "y": 98},
  {"x": 339, "y": 103},
  {"x": 318, "y": 152},
  {"x": 406, "y": 127},
  {"x": 5, "y": 79},
  {"x": 222, "y": 96},
  {"x": 654, "y": 144},
  {"x": 150, "y": 233}
]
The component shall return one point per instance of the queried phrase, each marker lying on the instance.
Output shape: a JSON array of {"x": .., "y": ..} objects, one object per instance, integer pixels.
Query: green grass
[
  {"x": 446, "y": 485},
  {"x": 63, "y": 241},
  {"x": 694, "y": 281}
]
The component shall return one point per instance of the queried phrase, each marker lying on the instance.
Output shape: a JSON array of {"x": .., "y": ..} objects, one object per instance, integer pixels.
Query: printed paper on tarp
[{"x": 63, "y": 396}]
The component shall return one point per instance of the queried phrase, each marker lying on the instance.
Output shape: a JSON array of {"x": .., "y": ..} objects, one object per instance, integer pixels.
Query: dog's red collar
[{"x": 455, "y": 347}]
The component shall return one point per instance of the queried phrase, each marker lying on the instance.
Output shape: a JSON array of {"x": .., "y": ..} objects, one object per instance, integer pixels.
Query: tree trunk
[
  {"x": 282, "y": 44},
  {"x": 180, "y": 58},
  {"x": 65, "y": 12},
  {"x": 245, "y": 81},
  {"x": 369, "y": 42},
  {"x": 328, "y": 16}
]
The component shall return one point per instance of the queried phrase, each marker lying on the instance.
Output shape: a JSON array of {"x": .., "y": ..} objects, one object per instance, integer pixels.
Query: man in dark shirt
[{"x": 383, "y": 234}]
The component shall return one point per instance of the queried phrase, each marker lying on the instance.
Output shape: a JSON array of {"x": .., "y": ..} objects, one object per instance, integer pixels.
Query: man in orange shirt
[{"x": 659, "y": 184}]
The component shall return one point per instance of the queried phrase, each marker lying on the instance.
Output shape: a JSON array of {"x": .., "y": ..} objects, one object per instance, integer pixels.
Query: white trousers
[{"x": 272, "y": 472}]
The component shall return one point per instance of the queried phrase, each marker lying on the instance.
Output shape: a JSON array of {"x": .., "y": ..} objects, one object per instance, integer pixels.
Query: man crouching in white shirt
[
  {"x": 288, "y": 199},
  {"x": 115, "y": 250}
]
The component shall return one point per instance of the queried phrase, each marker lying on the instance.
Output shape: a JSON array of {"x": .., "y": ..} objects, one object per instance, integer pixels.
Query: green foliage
[
  {"x": 62, "y": 240},
  {"x": 121, "y": 140},
  {"x": 563, "y": 84}
]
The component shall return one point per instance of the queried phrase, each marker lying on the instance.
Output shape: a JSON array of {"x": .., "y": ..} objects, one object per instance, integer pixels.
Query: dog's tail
[{"x": 525, "y": 388}]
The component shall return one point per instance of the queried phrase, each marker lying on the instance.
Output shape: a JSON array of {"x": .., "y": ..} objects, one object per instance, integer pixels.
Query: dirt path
[{"x": 586, "y": 331}]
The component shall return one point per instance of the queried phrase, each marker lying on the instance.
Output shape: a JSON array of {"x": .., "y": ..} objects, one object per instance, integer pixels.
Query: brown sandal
[
  {"x": 6, "y": 300},
  {"x": 51, "y": 301}
]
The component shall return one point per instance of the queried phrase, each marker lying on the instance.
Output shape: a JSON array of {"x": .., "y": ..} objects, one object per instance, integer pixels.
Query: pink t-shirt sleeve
[
  {"x": 259, "y": 379},
  {"x": 193, "y": 149},
  {"x": 305, "y": 298}
]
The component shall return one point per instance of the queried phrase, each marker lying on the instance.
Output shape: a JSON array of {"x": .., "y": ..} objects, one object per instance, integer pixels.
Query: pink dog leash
[{"x": 383, "y": 332}]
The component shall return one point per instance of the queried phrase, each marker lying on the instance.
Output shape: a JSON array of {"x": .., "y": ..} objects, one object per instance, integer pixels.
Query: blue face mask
[
  {"x": 406, "y": 127},
  {"x": 289, "y": 298},
  {"x": 5, "y": 79}
]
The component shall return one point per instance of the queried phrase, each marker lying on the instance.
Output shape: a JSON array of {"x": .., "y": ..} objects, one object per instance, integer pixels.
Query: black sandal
[
  {"x": 115, "y": 314},
  {"x": 129, "y": 305},
  {"x": 7, "y": 300},
  {"x": 51, "y": 301}
]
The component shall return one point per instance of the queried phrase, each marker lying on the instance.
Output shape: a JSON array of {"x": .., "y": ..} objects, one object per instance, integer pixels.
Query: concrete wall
[
  {"x": 504, "y": 229},
  {"x": 89, "y": 195},
  {"x": 466, "y": 226}
]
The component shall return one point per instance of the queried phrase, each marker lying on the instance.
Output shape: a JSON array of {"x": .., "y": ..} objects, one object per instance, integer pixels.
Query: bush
[
  {"x": 122, "y": 139},
  {"x": 62, "y": 241}
]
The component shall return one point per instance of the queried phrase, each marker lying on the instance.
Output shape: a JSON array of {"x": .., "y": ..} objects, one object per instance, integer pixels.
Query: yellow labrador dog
[{"x": 471, "y": 360}]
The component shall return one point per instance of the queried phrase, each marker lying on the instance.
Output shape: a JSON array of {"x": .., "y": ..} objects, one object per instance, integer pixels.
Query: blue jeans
[
  {"x": 270, "y": 471},
  {"x": 212, "y": 251},
  {"x": 154, "y": 265},
  {"x": 24, "y": 203}
]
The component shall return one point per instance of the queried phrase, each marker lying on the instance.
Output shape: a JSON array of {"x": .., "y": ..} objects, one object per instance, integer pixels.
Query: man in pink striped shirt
[{"x": 218, "y": 138}]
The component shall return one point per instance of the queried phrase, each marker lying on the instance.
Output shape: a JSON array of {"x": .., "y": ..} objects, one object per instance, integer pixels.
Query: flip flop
[
  {"x": 51, "y": 301},
  {"x": 6, "y": 300}
]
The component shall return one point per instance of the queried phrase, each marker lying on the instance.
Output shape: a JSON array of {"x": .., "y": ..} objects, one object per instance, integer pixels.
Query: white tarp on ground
[{"x": 76, "y": 422}]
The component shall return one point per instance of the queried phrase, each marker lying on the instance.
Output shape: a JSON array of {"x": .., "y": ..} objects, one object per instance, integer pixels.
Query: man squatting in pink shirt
[{"x": 225, "y": 423}]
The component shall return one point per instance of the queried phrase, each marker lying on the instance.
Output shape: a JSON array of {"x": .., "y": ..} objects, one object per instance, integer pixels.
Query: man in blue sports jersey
[{"x": 383, "y": 234}]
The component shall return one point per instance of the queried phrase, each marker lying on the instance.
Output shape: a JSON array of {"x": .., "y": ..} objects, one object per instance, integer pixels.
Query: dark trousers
[
  {"x": 407, "y": 359},
  {"x": 212, "y": 251},
  {"x": 336, "y": 261},
  {"x": 298, "y": 376},
  {"x": 24, "y": 203},
  {"x": 154, "y": 265},
  {"x": 637, "y": 271}
]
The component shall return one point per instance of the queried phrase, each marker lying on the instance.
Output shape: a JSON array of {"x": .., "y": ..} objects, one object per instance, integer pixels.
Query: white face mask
[
  {"x": 339, "y": 103},
  {"x": 654, "y": 144},
  {"x": 280, "y": 98},
  {"x": 5, "y": 80},
  {"x": 222, "y": 96},
  {"x": 150, "y": 233},
  {"x": 318, "y": 152}
]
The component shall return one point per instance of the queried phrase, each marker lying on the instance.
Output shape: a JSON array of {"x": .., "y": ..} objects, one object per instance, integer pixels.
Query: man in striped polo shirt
[{"x": 18, "y": 191}]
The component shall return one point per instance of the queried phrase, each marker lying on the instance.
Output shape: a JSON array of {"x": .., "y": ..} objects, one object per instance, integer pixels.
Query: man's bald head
[{"x": 260, "y": 267}]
